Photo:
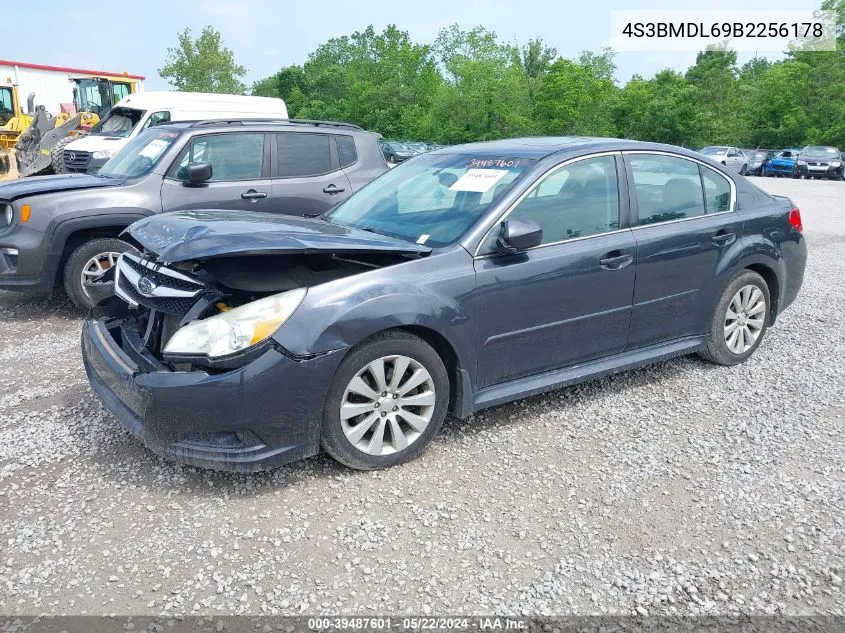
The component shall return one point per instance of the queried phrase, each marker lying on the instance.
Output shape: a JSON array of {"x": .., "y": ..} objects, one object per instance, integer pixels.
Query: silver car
[{"x": 730, "y": 157}]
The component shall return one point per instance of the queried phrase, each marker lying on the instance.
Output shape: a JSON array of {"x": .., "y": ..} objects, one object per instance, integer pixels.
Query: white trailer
[{"x": 53, "y": 86}]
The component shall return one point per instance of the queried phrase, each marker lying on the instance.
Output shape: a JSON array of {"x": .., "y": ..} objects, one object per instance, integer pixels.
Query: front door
[
  {"x": 240, "y": 163},
  {"x": 568, "y": 300}
]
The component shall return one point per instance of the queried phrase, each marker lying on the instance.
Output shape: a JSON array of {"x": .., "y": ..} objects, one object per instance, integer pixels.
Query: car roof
[
  {"x": 329, "y": 127},
  {"x": 538, "y": 147}
]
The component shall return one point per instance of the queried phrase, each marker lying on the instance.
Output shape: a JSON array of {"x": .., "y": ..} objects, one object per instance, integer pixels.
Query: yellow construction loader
[
  {"x": 36, "y": 135},
  {"x": 13, "y": 121}
]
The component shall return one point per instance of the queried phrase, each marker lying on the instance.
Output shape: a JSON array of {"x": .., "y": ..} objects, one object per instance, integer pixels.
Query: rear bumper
[{"x": 264, "y": 414}]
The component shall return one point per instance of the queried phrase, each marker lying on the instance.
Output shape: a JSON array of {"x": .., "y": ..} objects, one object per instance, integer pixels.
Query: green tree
[
  {"x": 485, "y": 89},
  {"x": 203, "y": 65},
  {"x": 573, "y": 99},
  {"x": 536, "y": 58},
  {"x": 714, "y": 75},
  {"x": 664, "y": 109},
  {"x": 781, "y": 107}
]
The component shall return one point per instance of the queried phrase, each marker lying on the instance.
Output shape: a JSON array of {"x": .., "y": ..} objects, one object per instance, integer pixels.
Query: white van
[{"x": 141, "y": 110}]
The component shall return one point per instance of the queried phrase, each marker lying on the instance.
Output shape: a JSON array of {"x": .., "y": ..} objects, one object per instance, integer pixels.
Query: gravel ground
[{"x": 682, "y": 488}]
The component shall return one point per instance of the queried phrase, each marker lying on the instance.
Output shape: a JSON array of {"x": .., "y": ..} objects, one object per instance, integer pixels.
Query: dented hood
[{"x": 186, "y": 235}]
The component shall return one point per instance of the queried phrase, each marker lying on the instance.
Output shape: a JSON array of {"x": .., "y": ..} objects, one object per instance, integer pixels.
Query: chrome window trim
[
  {"x": 731, "y": 184},
  {"x": 533, "y": 186}
]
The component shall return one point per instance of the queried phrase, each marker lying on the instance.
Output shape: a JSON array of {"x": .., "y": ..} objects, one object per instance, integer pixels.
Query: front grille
[
  {"x": 75, "y": 159},
  {"x": 142, "y": 282}
]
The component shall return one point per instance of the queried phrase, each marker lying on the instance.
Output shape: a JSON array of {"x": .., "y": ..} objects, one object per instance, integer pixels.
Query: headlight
[
  {"x": 836, "y": 163},
  {"x": 802, "y": 162},
  {"x": 237, "y": 329},
  {"x": 8, "y": 215},
  {"x": 104, "y": 153}
]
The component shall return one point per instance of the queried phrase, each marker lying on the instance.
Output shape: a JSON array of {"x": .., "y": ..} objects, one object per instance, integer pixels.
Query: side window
[
  {"x": 577, "y": 200},
  {"x": 120, "y": 91},
  {"x": 731, "y": 152},
  {"x": 302, "y": 154},
  {"x": 346, "y": 153},
  {"x": 238, "y": 156},
  {"x": 667, "y": 188},
  {"x": 717, "y": 191},
  {"x": 157, "y": 118}
]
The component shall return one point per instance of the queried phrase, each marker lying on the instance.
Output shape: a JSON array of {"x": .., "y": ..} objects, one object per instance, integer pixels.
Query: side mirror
[
  {"x": 517, "y": 235},
  {"x": 198, "y": 173}
]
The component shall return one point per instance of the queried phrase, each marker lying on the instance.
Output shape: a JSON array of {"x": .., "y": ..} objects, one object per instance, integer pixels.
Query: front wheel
[
  {"x": 386, "y": 401},
  {"x": 743, "y": 170},
  {"x": 739, "y": 321},
  {"x": 88, "y": 264}
]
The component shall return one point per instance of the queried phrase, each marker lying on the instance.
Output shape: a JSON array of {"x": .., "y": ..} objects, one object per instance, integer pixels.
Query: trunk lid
[{"x": 189, "y": 235}]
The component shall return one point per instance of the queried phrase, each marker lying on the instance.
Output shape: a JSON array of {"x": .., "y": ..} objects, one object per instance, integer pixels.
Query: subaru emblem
[{"x": 146, "y": 286}]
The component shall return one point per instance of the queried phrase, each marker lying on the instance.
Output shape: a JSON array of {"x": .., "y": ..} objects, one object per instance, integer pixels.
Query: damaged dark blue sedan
[{"x": 467, "y": 277}]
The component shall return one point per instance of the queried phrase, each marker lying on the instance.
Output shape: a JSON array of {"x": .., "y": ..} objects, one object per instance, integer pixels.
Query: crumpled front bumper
[{"x": 262, "y": 415}]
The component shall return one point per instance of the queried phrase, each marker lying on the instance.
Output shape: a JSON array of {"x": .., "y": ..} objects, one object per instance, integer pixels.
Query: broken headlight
[{"x": 237, "y": 329}]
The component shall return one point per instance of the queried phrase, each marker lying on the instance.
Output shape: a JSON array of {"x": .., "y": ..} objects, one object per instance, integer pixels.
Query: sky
[{"x": 266, "y": 35}]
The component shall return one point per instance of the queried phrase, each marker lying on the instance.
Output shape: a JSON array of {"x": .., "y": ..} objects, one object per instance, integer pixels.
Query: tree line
[{"x": 471, "y": 85}]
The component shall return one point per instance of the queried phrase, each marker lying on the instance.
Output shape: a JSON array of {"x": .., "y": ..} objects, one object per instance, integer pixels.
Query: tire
[
  {"x": 339, "y": 438},
  {"x": 392, "y": 159},
  {"x": 744, "y": 170},
  {"x": 718, "y": 350},
  {"x": 57, "y": 155},
  {"x": 79, "y": 261}
]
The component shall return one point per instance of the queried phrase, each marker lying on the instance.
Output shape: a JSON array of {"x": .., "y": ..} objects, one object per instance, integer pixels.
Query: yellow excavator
[{"x": 36, "y": 134}]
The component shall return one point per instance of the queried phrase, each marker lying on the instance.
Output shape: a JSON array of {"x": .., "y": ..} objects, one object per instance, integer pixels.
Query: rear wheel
[
  {"x": 739, "y": 321},
  {"x": 386, "y": 401},
  {"x": 88, "y": 264}
]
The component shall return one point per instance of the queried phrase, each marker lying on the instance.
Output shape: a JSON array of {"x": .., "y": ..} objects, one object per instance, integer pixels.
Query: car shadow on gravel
[
  {"x": 128, "y": 461},
  {"x": 19, "y": 306}
]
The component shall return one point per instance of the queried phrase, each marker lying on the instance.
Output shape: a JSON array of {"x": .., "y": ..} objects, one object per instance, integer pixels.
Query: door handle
[
  {"x": 253, "y": 195},
  {"x": 614, "y": 260},
  {"x": 333, "y": 190},
  {"x": 723, "y": 237}
]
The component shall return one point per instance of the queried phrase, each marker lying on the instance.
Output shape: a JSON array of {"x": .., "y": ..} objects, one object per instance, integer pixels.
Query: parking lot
[{"x": 680, "y": 488}]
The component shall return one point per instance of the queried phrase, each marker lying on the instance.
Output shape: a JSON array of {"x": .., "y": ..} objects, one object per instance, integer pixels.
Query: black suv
[{"x": 66, "y": 228}]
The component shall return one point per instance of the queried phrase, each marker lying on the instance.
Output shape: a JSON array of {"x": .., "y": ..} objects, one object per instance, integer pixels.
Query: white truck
[{"x": 137, "y": 112}]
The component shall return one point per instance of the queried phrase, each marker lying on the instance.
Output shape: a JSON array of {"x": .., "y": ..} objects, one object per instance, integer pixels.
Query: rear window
[{"x": 301, "y": 154}]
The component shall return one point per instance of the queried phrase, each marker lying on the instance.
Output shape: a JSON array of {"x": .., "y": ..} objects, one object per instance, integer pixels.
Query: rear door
[
  {"x": 240, "y": 163},
  {"x": 686, "y": 230},
  {"x": 307, "y": 177}
]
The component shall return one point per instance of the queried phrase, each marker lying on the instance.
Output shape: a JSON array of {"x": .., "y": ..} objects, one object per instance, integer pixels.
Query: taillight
[{"x": 795, "y": 220}]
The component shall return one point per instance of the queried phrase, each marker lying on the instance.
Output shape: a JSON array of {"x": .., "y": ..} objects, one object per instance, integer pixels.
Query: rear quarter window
[{"x": 346, "y": 153}]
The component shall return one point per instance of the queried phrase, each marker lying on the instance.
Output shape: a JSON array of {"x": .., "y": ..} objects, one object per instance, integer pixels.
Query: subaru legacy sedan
[{"x": 468, "y": 277}]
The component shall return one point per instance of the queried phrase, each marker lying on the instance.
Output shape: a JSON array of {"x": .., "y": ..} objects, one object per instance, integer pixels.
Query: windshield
[
  {"x": 714, "y": 150},
  {"x": 118, "y": 122},
  {"x": 140, "y": 155},
  {"x": 433, "y": 199},
  {"x": 817, "y": 151}
]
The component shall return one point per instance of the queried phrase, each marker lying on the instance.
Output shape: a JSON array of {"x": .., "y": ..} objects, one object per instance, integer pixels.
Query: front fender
[{"x": 423, "y": 293}]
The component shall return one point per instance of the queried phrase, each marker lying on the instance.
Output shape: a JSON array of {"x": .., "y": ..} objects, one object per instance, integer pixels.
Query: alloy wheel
[
  {"x": 745, "y": 319},
  {"x": 387, "y": 405},
  {"x": 96, "y": 267}
]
